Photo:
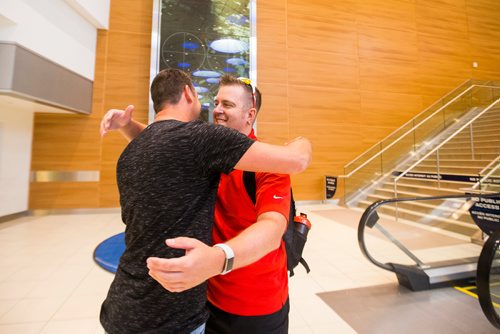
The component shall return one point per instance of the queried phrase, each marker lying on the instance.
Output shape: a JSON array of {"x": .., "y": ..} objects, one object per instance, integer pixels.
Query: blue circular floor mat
[{"x": 107, "y": 253}]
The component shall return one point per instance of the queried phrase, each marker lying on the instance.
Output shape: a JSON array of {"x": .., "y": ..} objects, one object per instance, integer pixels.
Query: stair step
[
  {"x": 456, "y": 159},
  {"x": 442, "y": 165},
  {"x": 430, "y": 189},
  {"x": 475, "y": 142},
  {"x": 477, "y": 155},
  {"x": 443, "y": 184},
  {"x": 457, "y": 162},
  {"x": 458, "y": 208},
  {"x": 429, "y": 220},
  {"x": 481, "y": 133},
  {"x": 480, "y": 150},
  {"x": 465, "y": 170},
  {"x": 409, "y": 194}
]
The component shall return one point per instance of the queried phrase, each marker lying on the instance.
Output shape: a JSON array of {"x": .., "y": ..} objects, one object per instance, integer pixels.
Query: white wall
[
  {"x": 95, "y": 11},
  {"x": 16, "y": 132},
  {"x": 63, "y": 31}
]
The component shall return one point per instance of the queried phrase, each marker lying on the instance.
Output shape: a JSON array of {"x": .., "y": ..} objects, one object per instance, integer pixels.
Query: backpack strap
[
  {"x": 251, "y": 188},
  {"x": 304, "y": 263},
  {"x": 293, "y": 211},
  {"x": 249, "y": 182}
]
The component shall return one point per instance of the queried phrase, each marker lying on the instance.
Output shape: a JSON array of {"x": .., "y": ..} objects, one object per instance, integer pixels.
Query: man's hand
[
  {"x": 179, "y": 274},
  {"x": 304, "y": 146},
  {"x": 116, "y": 119}
]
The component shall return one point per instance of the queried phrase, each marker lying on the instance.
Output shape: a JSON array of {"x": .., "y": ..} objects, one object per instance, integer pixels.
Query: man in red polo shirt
[{"x": 253, "y": 298}]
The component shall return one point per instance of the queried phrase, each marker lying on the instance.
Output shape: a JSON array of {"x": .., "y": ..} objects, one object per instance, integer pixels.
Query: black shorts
[{"x": 221, "y": 322}]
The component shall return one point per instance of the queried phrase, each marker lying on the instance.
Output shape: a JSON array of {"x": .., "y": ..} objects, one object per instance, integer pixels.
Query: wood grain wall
[
  {"x": 346, "y": 73},
  {"x": 72, "y": 143},
  {"x": 342, "y": 73}
]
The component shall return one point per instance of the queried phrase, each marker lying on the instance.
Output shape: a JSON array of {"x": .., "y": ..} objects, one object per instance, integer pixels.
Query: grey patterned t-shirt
[{"x": 168, "y": 178}]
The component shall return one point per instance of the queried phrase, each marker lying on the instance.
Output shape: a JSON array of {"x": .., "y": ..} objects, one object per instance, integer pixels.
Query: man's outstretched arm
[
  {"x": 116, "y": 119},
  {"x": 291, "y": 158}
]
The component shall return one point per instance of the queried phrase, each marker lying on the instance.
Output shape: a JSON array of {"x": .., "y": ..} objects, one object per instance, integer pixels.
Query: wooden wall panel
[
  {"x": 311, "y": 184},
  {"x": 324, "y": 69},
  {"x": 337, "y": 35},
  {"x": 370, "y": 135},
  {"x": 342, "y": 73},
  {"x": 385, "y": 109},
  {"x": 126, "y": 81},
  {"x": 393, "y": 58},
  {"x": 331, "y": 142},
  {"x": 390, "y": 14},
  {"x": 398, "y": 76},
  {"x": 377, "y": 44},
  {"x": 64, "y": 142},
  {"x": 272, "y": 49},
  {"x": 64, "y": 195},
  {"x": 322, "y": 9},
  {"x": 274, "y": 54},
  {"x": 274, "y": 107},
  {"x": 274, "y": 133},
  {"x": 131, "y": 16},
  {"x": 441, "y": 19},
  {"x": 320, "y": 105}
]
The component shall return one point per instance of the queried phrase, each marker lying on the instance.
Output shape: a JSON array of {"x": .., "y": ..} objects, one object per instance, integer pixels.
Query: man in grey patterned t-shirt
[{"x": 168, "y": 178}]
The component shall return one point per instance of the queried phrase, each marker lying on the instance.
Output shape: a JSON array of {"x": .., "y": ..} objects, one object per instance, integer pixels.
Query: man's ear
[
  {"x": 188, "y": 94},
  {"x": 252, "y": 114}
]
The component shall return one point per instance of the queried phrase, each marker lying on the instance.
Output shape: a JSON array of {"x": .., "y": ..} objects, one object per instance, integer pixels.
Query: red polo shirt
[{"x": 262, "y": 287}]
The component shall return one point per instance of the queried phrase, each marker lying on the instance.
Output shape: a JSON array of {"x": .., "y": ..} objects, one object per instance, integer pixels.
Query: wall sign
[
  {"x": 330, "y": 186},
  {"x": 486, "y": 213},
  {"x": 448, "y": 177}
]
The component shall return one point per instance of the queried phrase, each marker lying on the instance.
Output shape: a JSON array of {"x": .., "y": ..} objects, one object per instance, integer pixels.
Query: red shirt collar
[{"x": 252, "y": 135}]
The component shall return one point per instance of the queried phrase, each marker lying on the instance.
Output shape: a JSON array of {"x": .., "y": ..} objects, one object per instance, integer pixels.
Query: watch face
[
  {"x": 229, "y": 264},
  {"x": 229, "y": 254}
]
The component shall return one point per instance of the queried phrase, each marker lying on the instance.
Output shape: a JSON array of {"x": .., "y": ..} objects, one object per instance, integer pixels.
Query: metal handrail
[
  {"x": 478, "y": 183},
  {"x": 370, "y": 218},
  {"x": 440, "y": 145},
  {"x": 408, "y": 122},
  {"x": 489, "y": 165},
  {"x": 413, "y": 129},
  {"x": 483, "y": 283}
]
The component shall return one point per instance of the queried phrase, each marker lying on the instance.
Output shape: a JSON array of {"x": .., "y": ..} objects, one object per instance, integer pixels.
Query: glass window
[{"x": 205, "y": 38}]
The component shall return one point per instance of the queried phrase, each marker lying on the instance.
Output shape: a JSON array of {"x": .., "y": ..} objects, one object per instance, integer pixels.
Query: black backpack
[{"x": 295, "y": 235}]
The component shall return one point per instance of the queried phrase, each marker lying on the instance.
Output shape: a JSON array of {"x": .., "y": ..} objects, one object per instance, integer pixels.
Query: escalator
[
  {"x": 488, "y": 279},
  {"x": 446, "y": 257},
  {"x": 426, "y": 256}
]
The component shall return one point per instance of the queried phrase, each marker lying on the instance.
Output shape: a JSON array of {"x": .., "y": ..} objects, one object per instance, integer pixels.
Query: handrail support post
[
  {"x": 472, "y": 142},
  {"x": 438, "y": 169}
]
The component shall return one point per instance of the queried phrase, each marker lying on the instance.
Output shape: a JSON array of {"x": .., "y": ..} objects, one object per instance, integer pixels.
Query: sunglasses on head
[{"x": 248, "y": 82}]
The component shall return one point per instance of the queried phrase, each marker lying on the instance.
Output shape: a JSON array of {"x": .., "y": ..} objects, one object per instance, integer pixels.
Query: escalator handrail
[
  {"x": 483, "y": 277},
  {"x": 369, "y": 211},
  {"x": 361, "y": 234}
]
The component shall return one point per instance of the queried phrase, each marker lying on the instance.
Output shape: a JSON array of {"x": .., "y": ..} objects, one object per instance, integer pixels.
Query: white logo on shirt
[{"x": 277, "y": 197}]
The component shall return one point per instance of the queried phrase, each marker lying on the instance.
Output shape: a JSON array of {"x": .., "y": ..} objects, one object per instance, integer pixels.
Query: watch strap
[{"x": 228, "y": 263}]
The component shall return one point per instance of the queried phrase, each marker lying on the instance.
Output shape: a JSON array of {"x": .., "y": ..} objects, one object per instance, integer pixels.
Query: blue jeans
[{"x": 199, "y": 330}]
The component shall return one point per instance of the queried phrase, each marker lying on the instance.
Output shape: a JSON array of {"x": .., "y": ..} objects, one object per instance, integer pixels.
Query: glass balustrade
[{"x": 416, "y": 138}]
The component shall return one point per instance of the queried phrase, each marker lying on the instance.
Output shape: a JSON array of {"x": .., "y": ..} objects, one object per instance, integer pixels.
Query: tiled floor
[{"x": 50, "y": 284}]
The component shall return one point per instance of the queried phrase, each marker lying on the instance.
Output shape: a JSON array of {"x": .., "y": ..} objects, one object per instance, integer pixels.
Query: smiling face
[{"x": 234, "y": 108}]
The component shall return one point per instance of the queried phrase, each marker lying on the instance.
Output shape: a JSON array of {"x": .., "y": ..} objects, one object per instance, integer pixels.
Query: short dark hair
[
  {"x": 167, "y": 87},
  {"x": 230, "y": 80}
]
